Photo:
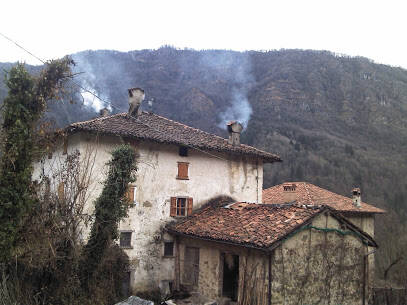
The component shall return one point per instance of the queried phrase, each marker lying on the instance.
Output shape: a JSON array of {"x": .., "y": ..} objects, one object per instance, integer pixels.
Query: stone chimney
[
  {"x": 104, "y": 112},
  {"x": 234, "y": 128},
  {"x": 356, "y": 197},
  {"x": 289, "y": 192},
  {"x": 136, "y": 97}
]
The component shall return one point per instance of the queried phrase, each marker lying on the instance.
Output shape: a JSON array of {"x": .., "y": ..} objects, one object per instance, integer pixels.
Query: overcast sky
[{"x": 51, "y": 29}]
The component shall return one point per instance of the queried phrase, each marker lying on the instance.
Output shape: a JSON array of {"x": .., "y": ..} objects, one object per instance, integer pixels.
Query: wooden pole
[{"x": 270, "y": 279}]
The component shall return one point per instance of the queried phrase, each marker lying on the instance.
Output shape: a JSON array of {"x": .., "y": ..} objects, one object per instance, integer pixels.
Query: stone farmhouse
[
  {"x": 179, "y": 236},
  {"x": 179, "y": 169},
  {"x": 359, "y": 213}
]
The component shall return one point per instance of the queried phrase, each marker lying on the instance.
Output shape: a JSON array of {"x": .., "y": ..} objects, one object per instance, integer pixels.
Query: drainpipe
[{"x": 365, "y": 275}]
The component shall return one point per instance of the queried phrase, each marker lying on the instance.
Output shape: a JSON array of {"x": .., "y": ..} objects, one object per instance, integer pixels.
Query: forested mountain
[{"x": 336, "y": 121}]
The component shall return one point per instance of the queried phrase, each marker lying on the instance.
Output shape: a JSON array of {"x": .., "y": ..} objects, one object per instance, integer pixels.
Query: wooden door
[{"x": 191, "y": 266}]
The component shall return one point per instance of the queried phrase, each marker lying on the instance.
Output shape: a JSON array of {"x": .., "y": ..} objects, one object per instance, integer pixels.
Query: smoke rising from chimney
[
  {"x": 109, "y": 73},
  {"x": 236, "y": 68}
]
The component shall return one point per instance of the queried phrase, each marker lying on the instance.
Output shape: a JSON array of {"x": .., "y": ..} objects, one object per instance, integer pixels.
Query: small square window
[
  {"x": 169, "y": 248},
  {"x": 183, "y": 151},
  {"x": 125, "y": 239}
]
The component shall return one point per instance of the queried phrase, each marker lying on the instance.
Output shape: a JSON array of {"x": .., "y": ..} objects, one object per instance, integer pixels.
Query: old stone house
[
  {"x": 179, "y": 169},
  {"x": 359, "y": 213},
  {"x": 176, "y": 237},
  {"x": 272, "y": 254}
]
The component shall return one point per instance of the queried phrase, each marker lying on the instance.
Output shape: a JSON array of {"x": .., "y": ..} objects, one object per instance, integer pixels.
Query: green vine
[{"x": 110, "y": 208}]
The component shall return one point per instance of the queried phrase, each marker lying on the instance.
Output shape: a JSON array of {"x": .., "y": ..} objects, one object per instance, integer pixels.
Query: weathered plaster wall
[
  {"x": 317, "y": 267},
  {"x": 364, "y": 222},
  {"x": 209, "y": 176}
]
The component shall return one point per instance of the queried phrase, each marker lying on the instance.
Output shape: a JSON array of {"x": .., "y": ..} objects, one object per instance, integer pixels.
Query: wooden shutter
[
  {"x": 130, "y": 194},
  {"x": 61, "y": 191},
  {"x": 182, "y": 170},
  {"x": 189, "y": 206},
  {"x": 173, "y": 207}
]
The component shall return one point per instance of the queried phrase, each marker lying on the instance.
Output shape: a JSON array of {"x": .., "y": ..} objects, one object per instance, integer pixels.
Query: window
[
  {"x": 125, "y": 239},
  {"x": 169, "y": 248},
  {"x": 183, "y": 151},
  {"x": 181, "y": 206},
  {"x": 183, "y": 170},
  {"x": 132, "y": 195}
]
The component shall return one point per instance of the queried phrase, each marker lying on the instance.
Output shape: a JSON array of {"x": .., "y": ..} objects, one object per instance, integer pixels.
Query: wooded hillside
[{"x": 336, "y": 121}]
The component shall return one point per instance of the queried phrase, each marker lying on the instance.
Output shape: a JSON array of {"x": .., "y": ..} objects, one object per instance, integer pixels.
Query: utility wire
[
  {"x": 44, "y": 62},
  {"x": 105, "y": 102},
  {"x": 22, "y": 48}
]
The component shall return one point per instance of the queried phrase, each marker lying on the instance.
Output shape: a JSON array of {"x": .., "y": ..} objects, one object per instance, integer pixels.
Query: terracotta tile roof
[
  {"x": 149, "y": 126},
  {"x": 309, "y": 194},
  {"x": 259, "y": 226},
  {"x": 248, "y": 224}
]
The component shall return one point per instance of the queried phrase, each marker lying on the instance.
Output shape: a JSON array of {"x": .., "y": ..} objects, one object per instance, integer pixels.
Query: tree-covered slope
[{"x": 336, "y": 121}]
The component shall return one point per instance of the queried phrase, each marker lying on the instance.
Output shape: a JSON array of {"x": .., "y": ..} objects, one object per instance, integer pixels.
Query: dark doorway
[
  {"x": 191, "y": 266},
  {"x": 230, "y": 276},
  {"x": 126, "y": 284}
]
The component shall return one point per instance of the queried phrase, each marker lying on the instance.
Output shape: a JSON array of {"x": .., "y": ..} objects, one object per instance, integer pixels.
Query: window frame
[
  {"x": 166, "y": 242},
  {"x": 130, "y": 246},
  {"x": 133, "y": 201},
  {"x": 174, "y": 208},
  {"x": 180, "y": 208}
]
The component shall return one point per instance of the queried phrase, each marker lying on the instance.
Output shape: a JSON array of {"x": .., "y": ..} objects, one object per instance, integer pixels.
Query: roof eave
[
  {"x": 221, "y": 241},
  {"x": 266, "y": 159}
]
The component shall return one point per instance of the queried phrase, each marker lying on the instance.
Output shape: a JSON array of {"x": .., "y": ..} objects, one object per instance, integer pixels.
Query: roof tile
[
  {"x": 308, "y": 194},
  {"x": 150, "y": 126},
  {"x": 255, "y": 225}
]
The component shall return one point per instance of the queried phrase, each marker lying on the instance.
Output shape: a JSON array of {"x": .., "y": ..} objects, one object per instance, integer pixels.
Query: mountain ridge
[{"x": 336, "y": 121}]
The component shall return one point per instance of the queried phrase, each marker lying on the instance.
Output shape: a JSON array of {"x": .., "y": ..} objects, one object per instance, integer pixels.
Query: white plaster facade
[{"x": 210, "y": 174}]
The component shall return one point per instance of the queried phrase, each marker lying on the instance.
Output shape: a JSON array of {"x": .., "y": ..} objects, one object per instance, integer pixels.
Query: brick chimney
[
  {"x": 234, "y": 128},
  {"x": 356, "y": 197}
]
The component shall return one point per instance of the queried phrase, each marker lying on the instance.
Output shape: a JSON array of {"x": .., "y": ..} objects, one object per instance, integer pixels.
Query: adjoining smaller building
[
  {"x": 271, "y": 254},
  {"x": 359, "y": 213}
]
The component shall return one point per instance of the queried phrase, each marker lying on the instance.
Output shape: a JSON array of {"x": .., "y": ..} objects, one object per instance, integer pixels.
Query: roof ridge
[
  {"x": 308, "y": 194},
  {"x": 100, "y": 118},
  {"x": 164, "y": 130},
  {"x": 125, "y": 114}
]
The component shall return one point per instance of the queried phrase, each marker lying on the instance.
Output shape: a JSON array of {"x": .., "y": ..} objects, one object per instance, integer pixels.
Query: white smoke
[
  {"x": 236, "y": 69},
  {"x": 240, "y": 110},
  {"x": 90, "y": 100},
  {"x": 91, "y": 97}
]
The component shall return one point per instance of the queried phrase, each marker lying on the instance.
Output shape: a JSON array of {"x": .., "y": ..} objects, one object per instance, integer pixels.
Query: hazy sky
[{"x": 51, "y": 29}]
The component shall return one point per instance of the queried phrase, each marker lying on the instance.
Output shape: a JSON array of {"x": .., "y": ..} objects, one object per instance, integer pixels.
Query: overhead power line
[
  {"x": 74, "y": 82},
  {"x": 101, "y": 99},
  {"x": 22, "y": 48}
]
